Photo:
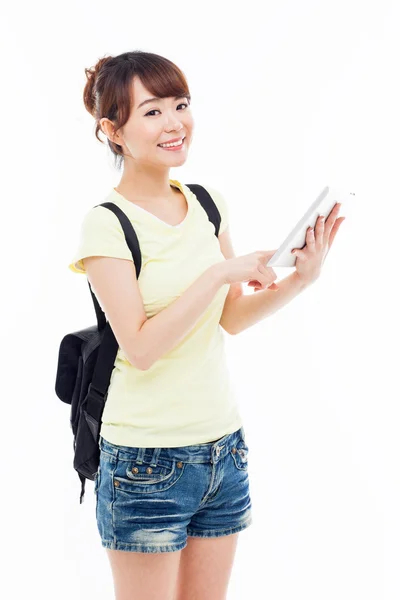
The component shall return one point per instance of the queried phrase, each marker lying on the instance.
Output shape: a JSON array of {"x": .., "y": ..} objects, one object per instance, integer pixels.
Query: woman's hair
[{"x": 108, "y": 89}]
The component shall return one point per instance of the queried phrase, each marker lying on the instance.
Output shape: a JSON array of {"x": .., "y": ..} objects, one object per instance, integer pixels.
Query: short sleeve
[
  {"x": 101, "y": 234},
  {"x": 221, "y": 205}
]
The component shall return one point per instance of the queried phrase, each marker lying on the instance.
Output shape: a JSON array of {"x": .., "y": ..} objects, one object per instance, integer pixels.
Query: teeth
[{"x": 169, "y": 145}]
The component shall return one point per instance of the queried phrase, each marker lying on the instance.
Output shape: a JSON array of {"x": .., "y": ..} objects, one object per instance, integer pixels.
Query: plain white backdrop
[{"x": 287, "y": 97}]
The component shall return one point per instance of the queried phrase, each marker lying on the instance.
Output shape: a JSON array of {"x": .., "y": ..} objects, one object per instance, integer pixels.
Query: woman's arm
[
  {"x": 247, "y": 310},
  {"x": 163, "y": 331}
]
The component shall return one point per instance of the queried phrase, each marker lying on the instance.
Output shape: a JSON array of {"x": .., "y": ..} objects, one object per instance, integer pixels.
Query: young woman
[{"x": 172, "y": 488}]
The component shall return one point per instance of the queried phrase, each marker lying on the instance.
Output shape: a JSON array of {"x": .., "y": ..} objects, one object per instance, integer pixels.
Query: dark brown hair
[{"x": 108, "y": 89}]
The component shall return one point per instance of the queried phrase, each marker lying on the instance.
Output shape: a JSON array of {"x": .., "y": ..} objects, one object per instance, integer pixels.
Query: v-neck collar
[{"x": 175, "y": 183}]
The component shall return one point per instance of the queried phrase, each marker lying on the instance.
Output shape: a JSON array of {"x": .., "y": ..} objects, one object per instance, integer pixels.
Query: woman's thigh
[{"x": 140, "y": 576}]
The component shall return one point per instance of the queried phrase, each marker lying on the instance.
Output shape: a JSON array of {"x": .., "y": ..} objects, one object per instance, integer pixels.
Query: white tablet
[{"x": 297, "y": 237}]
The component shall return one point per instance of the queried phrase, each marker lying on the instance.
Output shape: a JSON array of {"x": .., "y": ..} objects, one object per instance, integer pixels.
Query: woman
[{"x": 172, "y": 488}]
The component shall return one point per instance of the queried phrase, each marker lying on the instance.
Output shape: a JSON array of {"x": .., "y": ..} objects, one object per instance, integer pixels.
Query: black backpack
[{"x": 86, "y": 359}]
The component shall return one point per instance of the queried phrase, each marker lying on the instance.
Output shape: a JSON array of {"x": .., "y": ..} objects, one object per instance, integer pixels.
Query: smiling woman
[
  {"x": 109, "y": 94},
  {"x": 172, "y": 479}
]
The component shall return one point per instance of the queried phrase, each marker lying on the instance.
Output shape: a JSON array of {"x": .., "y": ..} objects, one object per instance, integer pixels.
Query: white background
[{"x": 302, "y": 95}]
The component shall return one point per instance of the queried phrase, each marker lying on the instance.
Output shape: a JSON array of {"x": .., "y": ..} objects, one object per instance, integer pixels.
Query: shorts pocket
[
  {"x": 239, "y": 455},
  {"x": 132, "y": 477}
]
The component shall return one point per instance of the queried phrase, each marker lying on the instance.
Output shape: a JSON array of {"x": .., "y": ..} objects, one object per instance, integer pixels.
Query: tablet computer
[{"x": 322, "y": 206}]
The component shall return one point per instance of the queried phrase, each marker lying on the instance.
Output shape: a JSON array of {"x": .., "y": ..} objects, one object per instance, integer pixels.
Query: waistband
[{"x": 196, "y": 453}]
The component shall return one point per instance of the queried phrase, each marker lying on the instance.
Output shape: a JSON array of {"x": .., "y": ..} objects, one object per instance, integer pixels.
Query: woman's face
[{"x": 154, "y": 123}]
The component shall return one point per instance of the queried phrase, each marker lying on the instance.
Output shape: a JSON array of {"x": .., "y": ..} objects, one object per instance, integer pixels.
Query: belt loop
[
  {"x": 140, "y": 456},
  {"x": 155, "y": 456}
]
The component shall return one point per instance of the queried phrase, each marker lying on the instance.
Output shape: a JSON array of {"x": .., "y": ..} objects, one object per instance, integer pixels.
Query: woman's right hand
[{"x": 250, "y": 268}]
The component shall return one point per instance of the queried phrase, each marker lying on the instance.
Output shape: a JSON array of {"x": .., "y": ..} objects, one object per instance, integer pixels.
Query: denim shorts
[{"x": 151, "y": 499}]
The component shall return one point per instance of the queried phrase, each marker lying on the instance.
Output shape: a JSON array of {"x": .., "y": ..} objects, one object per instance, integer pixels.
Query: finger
[
  {"x": 319, "y": 229},
  {"x": 337, "y": 225},
  {"x": 272, "y": 286},
  {"x": 310, "y": 238},
  {"x": 335, "y": 230},
  {"x": 266, "y": 279},
  {"x": 300, "y": 254},
  {"x": 331, "y": 221},
  {"x": 268, "y": 272},
  {"x": 333, "y": 214},
  {"x": 267, "y": 253}
]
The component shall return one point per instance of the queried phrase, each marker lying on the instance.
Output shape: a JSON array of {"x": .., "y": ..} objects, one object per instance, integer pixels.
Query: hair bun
[{"x": 89, "y": 92}]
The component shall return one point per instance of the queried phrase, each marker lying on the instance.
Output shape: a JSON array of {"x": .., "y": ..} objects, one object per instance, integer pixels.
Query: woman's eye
[{"x": 156, "y": 110}]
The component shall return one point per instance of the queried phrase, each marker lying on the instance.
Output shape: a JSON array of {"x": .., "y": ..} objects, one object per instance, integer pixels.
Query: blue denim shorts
[{"x": 151, "y": 499}]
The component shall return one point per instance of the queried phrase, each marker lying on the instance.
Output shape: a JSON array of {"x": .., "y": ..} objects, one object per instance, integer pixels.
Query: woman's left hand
[{"x": 312, "y": 256}]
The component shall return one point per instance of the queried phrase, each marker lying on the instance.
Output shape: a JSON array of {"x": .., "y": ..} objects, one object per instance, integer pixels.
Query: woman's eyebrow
[{"x": 156, "y": 100}]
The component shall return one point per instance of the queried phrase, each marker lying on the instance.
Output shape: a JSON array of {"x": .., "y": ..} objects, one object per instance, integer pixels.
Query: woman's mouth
[{"x": 174, "y": 148}]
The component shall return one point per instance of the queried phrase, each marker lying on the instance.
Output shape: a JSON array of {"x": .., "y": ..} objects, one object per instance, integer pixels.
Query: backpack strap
[
  {"x": 133, "y": 244},
  {"x": 207, "y": 203}
]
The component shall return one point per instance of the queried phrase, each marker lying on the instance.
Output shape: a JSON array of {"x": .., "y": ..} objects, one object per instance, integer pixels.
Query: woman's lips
[{"x": 174, "y": 148}]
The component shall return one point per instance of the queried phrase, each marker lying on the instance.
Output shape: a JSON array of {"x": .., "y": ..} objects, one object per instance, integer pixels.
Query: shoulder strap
[
  {"x": 134, "y": 247},
  {"x": 207, "y": 203}
]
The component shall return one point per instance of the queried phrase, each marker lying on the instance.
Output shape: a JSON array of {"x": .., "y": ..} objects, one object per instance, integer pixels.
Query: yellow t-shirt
[{"x": 185, "y": 397}]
